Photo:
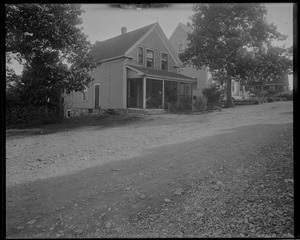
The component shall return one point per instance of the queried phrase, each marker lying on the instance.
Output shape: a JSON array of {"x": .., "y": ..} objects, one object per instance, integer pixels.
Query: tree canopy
[
  {"x": 235, "y": 41},
  {"x": 48, "y": 41},
  {"x": 51, "y": 35}
]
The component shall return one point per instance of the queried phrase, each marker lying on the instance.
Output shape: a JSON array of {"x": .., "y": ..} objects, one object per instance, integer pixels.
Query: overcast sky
[{"x": 101, "y": 22}]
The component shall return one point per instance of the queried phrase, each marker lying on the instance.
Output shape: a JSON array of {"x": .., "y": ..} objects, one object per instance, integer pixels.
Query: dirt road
[{"x": 227, "y": 174}]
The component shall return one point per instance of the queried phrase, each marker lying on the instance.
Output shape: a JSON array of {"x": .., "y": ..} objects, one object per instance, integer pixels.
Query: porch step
[
  {"x": 136, "y": 110},
  {"x": 155, "y": 111},
  {"x": 146, "y": 111}
]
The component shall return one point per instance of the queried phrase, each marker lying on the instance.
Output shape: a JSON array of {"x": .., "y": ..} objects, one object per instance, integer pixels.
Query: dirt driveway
[{"x": 227, "y": 174}]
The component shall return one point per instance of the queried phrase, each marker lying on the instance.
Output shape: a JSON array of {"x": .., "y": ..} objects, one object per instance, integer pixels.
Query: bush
[
  {"x": 212, "y": 94},
  {"x": 185, "y": 103},
  {"x": 29, "y": 114},
  {"x": 199, "y": 104}
]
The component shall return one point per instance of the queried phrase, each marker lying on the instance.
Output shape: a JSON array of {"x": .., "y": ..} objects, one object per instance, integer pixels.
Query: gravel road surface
[{"x": 219, "y": 174}]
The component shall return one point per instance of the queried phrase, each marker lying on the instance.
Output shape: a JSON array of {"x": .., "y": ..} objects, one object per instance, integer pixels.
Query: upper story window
[
  {"x": 181, "y": 45},
  {"x": 164, "y": 61},
  {"x": 84, "y": 94},
  {"x": 150, "y": 58},
  {"x": 141, "y": 55}
]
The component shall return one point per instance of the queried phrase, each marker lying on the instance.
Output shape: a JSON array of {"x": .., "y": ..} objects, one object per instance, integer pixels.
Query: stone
[
  {"x": 108, "y": 225},
  {"x": 270, "y": 214},
  {"x": 178, "y": 191},
  {"x": 167, "y": 200},
  {"x": 38, "y": 235},
  {"x": 57, "y": 235},
  {"x": 128, "y": 188},
  {"x": 78, "y": 231},
  {"x": 219, "y": 183},
  {"x": 31, "y": 222},
  {"x": 200, "y": 214},
  {"x": 279, "y": 212},
  {"x": 289, "y": 235},
  {"x": 289, "y": 180},
  {"x": 20, "y": 227}
]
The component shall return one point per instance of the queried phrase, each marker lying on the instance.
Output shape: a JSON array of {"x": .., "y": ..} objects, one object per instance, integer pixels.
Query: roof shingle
[
  {"x": 118, "y": 45},
  {"x": 160, "y": 73}
]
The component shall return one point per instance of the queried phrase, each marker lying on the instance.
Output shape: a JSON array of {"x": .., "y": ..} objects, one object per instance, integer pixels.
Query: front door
[{"x": 154, "y": 93}]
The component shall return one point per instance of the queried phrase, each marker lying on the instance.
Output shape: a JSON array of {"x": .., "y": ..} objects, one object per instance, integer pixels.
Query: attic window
[
  {"x": 150, "y": 58},
  {"x": 141, "y": 55},
  {"x": 181, "y": 45},
  {"x": 164, "y": 61}
]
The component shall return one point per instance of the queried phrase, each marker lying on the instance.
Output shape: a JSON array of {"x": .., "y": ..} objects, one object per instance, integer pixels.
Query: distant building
[
  {"x": 179, "y": 40},
  {"x": 280, "y": 84}
]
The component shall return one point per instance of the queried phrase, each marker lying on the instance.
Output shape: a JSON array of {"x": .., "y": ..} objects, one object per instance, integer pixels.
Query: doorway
[{"x": 154, "y": 93}]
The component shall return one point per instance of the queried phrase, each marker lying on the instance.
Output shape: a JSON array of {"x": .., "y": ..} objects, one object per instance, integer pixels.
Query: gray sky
[{"x": 100, "y": 22}]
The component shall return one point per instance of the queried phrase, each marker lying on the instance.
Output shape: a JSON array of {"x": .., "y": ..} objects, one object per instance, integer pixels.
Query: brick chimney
[{"x": 123, "y": 30}]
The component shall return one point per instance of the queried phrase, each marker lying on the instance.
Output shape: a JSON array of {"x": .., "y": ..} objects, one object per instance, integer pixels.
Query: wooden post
[
  {"x": 144, "y": 93},
  {"x": 163, "y": 94}
]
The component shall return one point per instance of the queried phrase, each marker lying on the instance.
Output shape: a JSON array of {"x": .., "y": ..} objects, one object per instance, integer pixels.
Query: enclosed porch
[{"x": 149, "y": 92}]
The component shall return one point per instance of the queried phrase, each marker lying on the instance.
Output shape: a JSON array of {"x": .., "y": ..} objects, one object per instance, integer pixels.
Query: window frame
[
  {"x": 179, "y": 40},
  {"x": 143, "y": 55},
  {"x": 161, "y": 61},
  {"x": 85, "y": 93},
  {"x": 152, "y": 50}
]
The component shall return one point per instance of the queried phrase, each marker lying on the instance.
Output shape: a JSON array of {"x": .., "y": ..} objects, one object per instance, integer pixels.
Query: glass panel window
[
  {"x": 150, "y": 58},
  {"x": 141, "y": 55},
  {"x": 164, "y": 61},
  {"x": 181, "y": 45}
]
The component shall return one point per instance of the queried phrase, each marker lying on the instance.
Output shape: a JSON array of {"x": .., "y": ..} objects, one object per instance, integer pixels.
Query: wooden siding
[
  {"x": 153, "y": 42},
  {"x": 110, "y": 77}
]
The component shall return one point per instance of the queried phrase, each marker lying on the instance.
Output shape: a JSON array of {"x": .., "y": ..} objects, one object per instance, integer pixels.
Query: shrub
[
  {"x": 29, "y": 114},
  {"x": 212, "y": 94},
  {"x": 185, "y": 103},
  {"x": 199, "y": 104}
]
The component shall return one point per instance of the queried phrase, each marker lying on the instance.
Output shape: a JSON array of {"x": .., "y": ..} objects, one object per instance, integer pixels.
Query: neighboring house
[
  {"x": 277, "y": 85},
  {"x": 139, "y": 70},
  {"x": 179, "y": 40}
]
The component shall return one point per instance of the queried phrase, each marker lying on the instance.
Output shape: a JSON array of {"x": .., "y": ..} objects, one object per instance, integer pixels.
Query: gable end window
[
  {"x": 150, "y": 58},
  {"x": 140, "y": 55},
  {"x": 181, "y": 45},
  {"x": 164, "y": 61}
]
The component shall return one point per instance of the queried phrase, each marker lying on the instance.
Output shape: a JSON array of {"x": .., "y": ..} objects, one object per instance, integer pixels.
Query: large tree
[
  {"x": 229, "y": 38},
  {"x": 48, "y": 41}
]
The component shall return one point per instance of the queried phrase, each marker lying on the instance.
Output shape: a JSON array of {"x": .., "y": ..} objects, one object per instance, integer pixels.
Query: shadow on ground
[
  {"x": 153, "y": 173},
  {"x": 72, "y": 124}
]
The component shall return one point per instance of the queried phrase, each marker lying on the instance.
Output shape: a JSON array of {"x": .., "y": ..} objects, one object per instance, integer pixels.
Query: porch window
[
  {"x": 150, "y": 58},
  {"x": 141, "y": 55},
  {"x": 84, "y": 94},
  {"x": 164, "y": 61}
]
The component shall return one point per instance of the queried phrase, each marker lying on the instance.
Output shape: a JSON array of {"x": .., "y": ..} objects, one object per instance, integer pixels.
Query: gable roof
[
  {"x": 117, "y": 46},
  {"x": 150, "y": 72},
  {"x": 124, "y": 44},
  {"x": 184, "y": 27}
]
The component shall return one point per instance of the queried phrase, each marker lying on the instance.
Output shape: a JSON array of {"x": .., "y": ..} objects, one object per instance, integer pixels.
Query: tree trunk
[{"x": 229, "y": 102}]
